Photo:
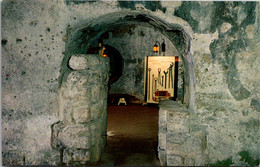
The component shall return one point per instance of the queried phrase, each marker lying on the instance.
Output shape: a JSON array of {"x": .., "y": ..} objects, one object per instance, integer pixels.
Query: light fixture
[{"x": 156, "y": 48}]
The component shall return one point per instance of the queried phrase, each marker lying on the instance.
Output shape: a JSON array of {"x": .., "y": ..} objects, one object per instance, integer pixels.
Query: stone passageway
[{"x": 132, "y": 136}]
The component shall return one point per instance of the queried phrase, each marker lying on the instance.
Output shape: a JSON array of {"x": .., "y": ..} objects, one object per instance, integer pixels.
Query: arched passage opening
[{"x": 80, "y": 39}]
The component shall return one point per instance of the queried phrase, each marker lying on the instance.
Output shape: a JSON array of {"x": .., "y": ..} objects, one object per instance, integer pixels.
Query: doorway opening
[
  {"x": 81, "y": 38},
  {"x": 132, "y": 128}
]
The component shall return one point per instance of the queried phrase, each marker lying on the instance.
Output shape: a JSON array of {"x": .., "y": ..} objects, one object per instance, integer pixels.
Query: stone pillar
[
  {"x": 177, "y": 145},
  {"x": 80, "y": 135}
]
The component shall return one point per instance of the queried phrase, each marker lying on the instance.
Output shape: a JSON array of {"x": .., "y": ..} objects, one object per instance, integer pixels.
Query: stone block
[
  {"x": 200, "y": 160},
  {"x": 81, "y": 62},
  {"x": 162, "y": 141},
  {"x": 177, "y": 116},
  {"x": 96, "y": 153},
  {"x": 75, "y": 136},
  {"x": 97, "y": 110},
  {"x": 189, "y": 161},
  {"x": 78, "y": 62},
  {"x": 177, "y": 138},
  {"x": 191, "y": 145},
  {"x": 75, "y": 78},
  {"x": 96, "y": 93},
  {"x": 81, "y": 114},
  {"x": 173, "y": 149},
  {"x": 174, "y": 160},
  {"x": 75, "y": 155},
  {"x": 162, "y": 118},
  {"x": 162, "y": 157},
  {"x": 179, "y": 127}
]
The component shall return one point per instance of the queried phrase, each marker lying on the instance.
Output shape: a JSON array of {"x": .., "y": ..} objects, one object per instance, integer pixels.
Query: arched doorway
[{"x": 80, "y": 39}]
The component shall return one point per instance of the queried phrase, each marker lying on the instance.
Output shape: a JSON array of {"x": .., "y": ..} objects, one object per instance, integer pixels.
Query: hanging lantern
[{"x": 156, "y": 48}]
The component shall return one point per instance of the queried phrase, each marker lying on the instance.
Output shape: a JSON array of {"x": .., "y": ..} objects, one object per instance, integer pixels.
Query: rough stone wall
[
  {"x": 228, "y": 81},
  {"x": 136, "y": 42},
  {"x": 226, "y": 53},
  {"x": 225, "y": 48},
  {"x": 81, "y": 132},
  {"x": 33, "y": 42},
  {"x": 178, "y": 146},
  {"x": 31, "y": 55}
]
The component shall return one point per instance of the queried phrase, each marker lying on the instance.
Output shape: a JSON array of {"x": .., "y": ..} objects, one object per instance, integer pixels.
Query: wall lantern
[{"x": 156, "y": 48}]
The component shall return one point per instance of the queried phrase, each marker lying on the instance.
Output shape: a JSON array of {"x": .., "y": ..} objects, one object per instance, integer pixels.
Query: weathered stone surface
[
  {"x": 162, "y": 141},
  {"x": 78, "y": 62},
  {"x": 177, "y": 138},
  {"x": 75, "y": 136},
  {"x": 225, "y": 27},
  {"x": 162, "y": 157},
  {"x": 191, "y": 145},
  {"x": 189, "y": 161},
  {"x": 73, "y": 156},
  {"x": 256, "y": 104},
  {"x": 174, "y": 160},
  {"x": 81, "y": 110},
  {"x": 81, "y": 114},
  {"x": 162, "y": 118},
  {"x": 178, "y": 127},
  {"x": 176, "y": 117},
  {"x": 81, "y": 62}
]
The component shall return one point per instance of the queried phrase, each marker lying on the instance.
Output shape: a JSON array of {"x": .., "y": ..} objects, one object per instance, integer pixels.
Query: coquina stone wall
[
  {"x": 219, "y": 46},
  {"x": 222, "y": 129},
  {"x": 80, "y": 135},
  {"x": 178, "y": 144}
]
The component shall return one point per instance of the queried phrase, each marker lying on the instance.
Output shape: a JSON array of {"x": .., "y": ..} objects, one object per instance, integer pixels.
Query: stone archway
[
  {"x": 80, "y": 38},
  {"x": 88, "y": 133}
]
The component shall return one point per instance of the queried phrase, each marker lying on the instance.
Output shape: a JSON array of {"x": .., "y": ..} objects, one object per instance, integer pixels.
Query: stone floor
[{"x": 132, "y": 136}]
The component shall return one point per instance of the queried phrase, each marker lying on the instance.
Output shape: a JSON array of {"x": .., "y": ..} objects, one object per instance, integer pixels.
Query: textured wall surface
[
  {"x": 39, "y": 38},
  {"x": 80, "y": 133}
]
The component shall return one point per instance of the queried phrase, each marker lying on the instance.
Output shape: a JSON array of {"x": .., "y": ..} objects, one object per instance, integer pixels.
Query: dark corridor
[{"x": 132, "y": 136}]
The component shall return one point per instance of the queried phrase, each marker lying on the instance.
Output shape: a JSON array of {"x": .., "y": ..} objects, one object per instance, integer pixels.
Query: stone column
[
  {"x": 80, "y": 135},
  {"x": 177, "y": 145}
]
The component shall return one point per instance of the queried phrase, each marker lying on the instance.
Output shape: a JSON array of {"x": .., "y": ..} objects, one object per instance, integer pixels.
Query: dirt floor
[{"x": 132, "y": 136}]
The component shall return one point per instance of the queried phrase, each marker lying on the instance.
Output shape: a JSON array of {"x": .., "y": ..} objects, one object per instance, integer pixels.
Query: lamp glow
[{"x": 155, "y": 48}]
